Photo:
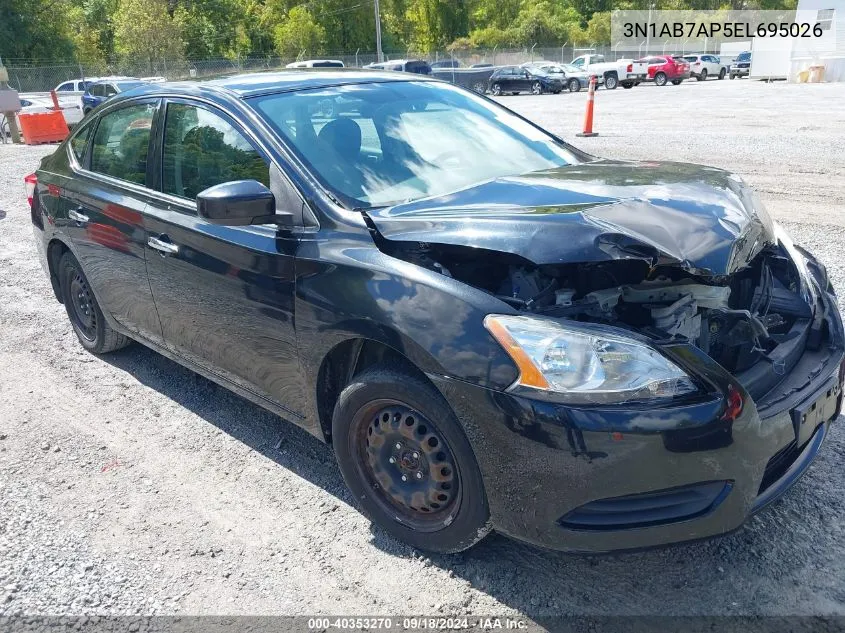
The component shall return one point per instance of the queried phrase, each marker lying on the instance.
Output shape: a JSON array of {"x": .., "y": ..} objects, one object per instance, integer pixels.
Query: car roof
[{"x": 252, "y": 84}]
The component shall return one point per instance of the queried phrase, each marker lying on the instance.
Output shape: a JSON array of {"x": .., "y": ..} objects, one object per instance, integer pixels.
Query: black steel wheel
[
  {"x": 85, "y": 315},
  {"x": 407, "y": 461},
  {"x": 401, "y": 453}
]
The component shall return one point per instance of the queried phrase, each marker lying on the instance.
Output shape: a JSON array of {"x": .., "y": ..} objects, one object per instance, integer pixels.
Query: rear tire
[
  {"x": 85, "y": 315},
  {"x": 611, "y": 81},
  {"x": 536, "y": 88},
  {"x": 574, "y": 85},
  {"x": 677, "y": 82},
  {"x": 407, "y": 461},
  {"x": 722, "y": 74},
  {"x": 496, "y": 90},
  {"x": 702, "y": 76},
  {"x": 627, "y": 85},
  {"x": 660, "y": 79}
]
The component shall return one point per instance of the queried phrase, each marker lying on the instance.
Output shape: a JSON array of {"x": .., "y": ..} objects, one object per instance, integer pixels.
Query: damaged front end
[{"x": 706, "y": 267}]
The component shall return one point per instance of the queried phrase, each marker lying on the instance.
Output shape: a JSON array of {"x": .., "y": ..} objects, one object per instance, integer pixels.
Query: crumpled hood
[{"x": 704, "y": 219}]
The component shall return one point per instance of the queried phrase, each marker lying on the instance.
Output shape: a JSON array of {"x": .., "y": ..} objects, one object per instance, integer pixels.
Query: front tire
[
  {"x": 85, "y": 315},
  {"x": 574, "y": 85},
  {"x": 611, "y": 81},
  {"x": 408, "y": 463},
  {"x": 496, "y": 90},
  {"x": 660, "y": 79}
]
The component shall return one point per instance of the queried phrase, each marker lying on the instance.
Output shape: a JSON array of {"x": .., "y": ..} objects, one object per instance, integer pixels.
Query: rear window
[
  {"x": 691, "y": 58},
  {"x": 327, "y": 64}
]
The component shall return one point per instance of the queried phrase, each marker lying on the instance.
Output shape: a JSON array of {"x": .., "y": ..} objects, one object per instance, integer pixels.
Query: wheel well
[
  {"x": 55, "y": 250},
  {"x": 611, "y": 73},
  {"x": 345, "y": 361}
]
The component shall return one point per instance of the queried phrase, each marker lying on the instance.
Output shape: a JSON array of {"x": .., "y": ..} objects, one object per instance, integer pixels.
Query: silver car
[
  {"x": 702, "y": 66},
  {"x": 573, "y": 77}
]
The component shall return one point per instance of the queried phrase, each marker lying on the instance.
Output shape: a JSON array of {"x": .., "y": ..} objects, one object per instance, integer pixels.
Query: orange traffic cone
[{"x": 588, "y": 116}]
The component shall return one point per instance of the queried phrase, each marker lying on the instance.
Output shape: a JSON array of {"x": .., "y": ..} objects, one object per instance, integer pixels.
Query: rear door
[
  {"x": 225, "y": 294},
  {"x": 103, "y": 206}
]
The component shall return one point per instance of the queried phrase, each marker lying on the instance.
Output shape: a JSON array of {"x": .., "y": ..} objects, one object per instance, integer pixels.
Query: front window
[
  {"x": 382, "y": 144},
  {"x": 201, "y": 150},
  {"x": 744, "y": 57}
]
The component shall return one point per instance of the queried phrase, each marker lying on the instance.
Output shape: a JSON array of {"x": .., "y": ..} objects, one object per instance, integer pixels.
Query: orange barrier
[
  {"x": 588, "y": 115},
  {"x": 43, "y": 127}
]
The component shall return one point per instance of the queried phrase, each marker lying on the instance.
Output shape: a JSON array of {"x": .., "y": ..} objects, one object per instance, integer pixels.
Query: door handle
[
  {"x": 73, "y": 214},
  {"x": 166, "y": 248}
]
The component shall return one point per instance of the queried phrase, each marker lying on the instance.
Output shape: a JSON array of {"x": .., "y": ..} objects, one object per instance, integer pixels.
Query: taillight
[
  {"x": 29, "y": 183},
  {"x": 630, "y": 68}
]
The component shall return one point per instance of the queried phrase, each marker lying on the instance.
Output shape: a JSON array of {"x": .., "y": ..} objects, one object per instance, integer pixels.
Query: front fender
[{"x": 348, "y": 289}]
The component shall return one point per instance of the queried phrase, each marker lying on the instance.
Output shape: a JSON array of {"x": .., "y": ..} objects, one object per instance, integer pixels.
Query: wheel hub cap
[{"x": 410, "y": 462}]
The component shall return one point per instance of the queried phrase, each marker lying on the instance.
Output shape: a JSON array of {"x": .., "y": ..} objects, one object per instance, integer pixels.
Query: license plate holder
[{"x": 818, "y": 408}]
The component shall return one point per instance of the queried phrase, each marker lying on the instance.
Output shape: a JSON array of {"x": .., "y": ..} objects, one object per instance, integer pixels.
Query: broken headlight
[{"x": 586, "y": 367}]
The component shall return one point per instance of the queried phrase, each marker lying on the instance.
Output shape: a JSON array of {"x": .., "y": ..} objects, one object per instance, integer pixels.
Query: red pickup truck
[{"x": 665, "y": 68}]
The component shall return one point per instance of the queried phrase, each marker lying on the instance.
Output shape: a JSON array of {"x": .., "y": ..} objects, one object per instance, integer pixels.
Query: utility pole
[
  {"x": 648, "y": 33},
  {"x": 379, "y": 54}
]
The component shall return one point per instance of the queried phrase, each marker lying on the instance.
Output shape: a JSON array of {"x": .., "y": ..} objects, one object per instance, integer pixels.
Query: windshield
[
  {"x": 385, "y": 143},
  {"x": 123, "y": 86},
  {"x": 569, "y": 68},
  {"x": 743, "y": 57}
]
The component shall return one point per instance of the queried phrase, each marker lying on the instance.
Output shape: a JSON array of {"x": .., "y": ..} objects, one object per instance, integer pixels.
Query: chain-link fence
[{"x": 32, "y": 76}]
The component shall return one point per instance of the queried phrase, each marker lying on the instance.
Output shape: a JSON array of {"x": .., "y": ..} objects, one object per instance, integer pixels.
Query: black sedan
[
  {"x": 492, "y": 328},
  {"x": 515, "y": 79}
]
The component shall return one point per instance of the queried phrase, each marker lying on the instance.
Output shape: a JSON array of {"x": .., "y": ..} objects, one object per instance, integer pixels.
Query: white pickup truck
[{"x": 624, "y": 72}]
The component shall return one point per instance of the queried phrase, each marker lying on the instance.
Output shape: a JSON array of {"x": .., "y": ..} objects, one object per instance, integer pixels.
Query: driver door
[{"x": 225, "y": 294}]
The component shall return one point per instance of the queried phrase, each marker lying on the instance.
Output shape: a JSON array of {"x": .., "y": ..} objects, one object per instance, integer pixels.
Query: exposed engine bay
[{"x": 737, "y": 320}]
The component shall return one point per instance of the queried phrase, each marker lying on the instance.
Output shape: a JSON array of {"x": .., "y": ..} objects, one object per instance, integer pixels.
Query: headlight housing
[{"x": 586, "y": 367}]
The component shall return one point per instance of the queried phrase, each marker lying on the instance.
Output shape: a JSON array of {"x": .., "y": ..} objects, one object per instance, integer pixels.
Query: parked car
[
  {"x": 74, "y": 86},
  {"x": 100, "y": 91},
  {"x": 514, "y": 79},
  {"x": 317, "y": 63},
  {"x": 663, "y": 69},
  {"x": 482, "y": 65},
  {"x": 36, "y": 105},
  {"x": 625, "y": 72},
  {"x": 446, "y": 63},
  {"x": 417, "y": 66},
  {"x": 741, "y": 66},
  {"x": 572, "y": 77},
  {"x": 490, "y": 327},
  {"x": 703, "y": 66}
]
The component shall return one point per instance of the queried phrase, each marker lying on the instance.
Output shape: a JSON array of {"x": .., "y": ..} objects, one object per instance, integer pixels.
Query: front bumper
[
  {"x": 740, "y": 71},
  {"x": 554, "y": 474}
]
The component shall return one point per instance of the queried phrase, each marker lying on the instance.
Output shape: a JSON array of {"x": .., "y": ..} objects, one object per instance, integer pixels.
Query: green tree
[
  {"x": 598, "y": 28},
  {"x": 36, "y": 29},
  {"x": 299, "y": 34},
  {"x": 144, "y": 30}
]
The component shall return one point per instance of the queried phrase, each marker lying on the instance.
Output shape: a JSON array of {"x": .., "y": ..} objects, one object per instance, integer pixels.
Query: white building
[{"x": 785, "y": 58}]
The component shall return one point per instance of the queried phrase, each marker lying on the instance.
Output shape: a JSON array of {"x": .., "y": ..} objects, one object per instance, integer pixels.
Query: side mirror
[{"x": 238, "y": 203}]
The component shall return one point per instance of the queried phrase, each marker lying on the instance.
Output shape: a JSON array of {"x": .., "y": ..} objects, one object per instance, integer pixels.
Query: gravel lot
[{"x": 131, "y": 485}]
